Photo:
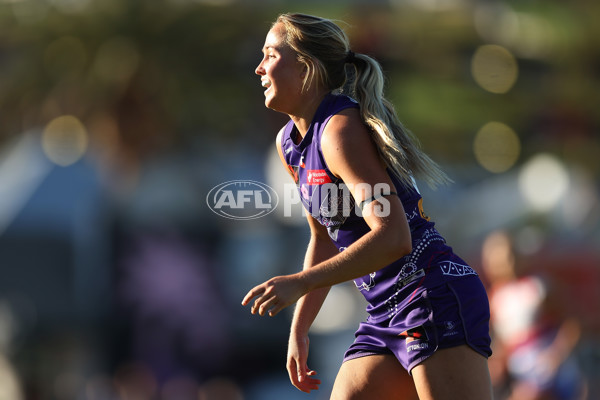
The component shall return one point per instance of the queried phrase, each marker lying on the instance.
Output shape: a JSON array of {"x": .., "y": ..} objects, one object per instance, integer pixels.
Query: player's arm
[
  {"x": 320, "y": 248},
  {"x": 351, "y": 156}
]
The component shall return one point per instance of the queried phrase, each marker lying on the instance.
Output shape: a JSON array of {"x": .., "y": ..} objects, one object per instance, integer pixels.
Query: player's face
[{"x": 281, "y": 74}]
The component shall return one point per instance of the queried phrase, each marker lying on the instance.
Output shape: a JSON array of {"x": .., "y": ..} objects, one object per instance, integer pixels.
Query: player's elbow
[
  {"x": 398, "y": 244},
  {"x": 403, "y": 247}
]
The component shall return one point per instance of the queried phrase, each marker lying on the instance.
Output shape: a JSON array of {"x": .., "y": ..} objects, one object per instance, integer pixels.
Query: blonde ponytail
[
  {"x": 325, "y": 50},
  {"x": 398, "y": 147}
]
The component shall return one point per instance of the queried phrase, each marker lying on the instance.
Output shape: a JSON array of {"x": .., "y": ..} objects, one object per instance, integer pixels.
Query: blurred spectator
[{"x": 533, "y": 334}]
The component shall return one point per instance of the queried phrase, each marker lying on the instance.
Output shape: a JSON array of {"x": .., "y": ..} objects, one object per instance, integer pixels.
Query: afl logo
[{"x": 242, "y": 200}]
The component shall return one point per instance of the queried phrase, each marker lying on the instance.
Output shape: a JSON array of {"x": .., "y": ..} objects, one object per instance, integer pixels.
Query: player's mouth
[{"x": 266, "y": 84}]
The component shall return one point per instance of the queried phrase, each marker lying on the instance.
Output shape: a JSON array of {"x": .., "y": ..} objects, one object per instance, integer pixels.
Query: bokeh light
[
  {"x": 65, "y": 140},
  {"x": 494, "y": 68},
  {"x": 544, "y": 181},
  {"x": 496, "y": 147}
]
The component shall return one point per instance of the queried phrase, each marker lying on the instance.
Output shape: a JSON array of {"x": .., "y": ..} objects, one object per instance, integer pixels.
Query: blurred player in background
[{"x": 534, "y": 335}]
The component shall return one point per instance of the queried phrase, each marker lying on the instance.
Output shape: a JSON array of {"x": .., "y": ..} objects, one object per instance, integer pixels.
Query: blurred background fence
[{"x": 118, "y": 117}]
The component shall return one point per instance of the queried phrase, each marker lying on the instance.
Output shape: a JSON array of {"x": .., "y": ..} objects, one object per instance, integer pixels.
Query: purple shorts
[{"x": 451, "y": 314}]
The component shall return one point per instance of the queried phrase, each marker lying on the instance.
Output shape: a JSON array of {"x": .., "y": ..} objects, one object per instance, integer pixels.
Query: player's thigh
[
  {"x": 452, "y": 374},
  {"x": 373, "y": 377}
]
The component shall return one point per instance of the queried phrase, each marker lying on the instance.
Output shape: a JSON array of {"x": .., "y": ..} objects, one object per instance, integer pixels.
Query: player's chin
[{"x": 271, "y": 105}]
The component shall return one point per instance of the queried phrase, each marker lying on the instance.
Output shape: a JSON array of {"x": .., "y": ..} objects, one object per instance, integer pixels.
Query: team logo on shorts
[{"x": 450, "y": 327}]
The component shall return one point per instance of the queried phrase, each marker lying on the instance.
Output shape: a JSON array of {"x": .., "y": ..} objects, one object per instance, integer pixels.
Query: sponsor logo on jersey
[
  {"x": 242, "y": 199},
  {"x": 317, "y": 177}
]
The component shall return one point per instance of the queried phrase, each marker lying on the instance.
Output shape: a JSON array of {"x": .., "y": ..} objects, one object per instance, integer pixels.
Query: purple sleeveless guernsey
[{"x": 388, "y": 290}]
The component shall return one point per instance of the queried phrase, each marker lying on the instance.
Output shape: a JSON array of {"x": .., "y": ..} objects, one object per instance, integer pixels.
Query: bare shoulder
[
  {"x": 346, "y": 139},
  {"x": 347, "y": 128}
]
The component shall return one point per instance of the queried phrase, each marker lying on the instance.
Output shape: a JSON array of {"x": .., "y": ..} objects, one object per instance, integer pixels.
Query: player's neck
[{"x": 305, "y": 113}]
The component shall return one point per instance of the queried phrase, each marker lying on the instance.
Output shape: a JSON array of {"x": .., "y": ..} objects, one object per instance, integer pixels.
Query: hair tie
[{"x": 350, "y": 57}]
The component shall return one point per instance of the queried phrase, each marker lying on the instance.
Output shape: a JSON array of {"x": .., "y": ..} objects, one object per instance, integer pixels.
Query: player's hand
[
  {"x": 275, "y": 294},
  {"x": 300, "y": 375}
]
